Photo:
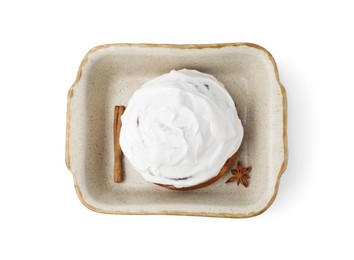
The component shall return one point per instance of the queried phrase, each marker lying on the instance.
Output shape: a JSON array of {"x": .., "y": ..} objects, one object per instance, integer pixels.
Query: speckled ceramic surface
[{"x": 108, "y": 76}]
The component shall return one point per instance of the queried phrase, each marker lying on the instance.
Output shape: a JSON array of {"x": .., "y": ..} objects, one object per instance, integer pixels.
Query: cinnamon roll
[{"x": 180, "y": 129}]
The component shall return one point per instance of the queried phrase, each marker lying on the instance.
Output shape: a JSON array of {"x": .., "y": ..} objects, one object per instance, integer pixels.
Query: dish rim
[{"x": 177, "y": 46}]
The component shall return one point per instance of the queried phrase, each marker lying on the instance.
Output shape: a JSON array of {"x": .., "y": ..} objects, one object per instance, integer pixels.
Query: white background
[{"x": 42, "y": 44}]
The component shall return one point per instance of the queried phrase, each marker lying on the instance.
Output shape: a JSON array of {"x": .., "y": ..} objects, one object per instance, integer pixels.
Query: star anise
[{"x": 240, "y": 174}]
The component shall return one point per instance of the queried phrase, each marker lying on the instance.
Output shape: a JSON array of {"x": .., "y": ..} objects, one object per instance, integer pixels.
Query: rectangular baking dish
[{"x": 108, "y": 76}]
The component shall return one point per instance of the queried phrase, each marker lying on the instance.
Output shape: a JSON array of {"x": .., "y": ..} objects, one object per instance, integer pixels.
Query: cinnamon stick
[{"x": 118, "y": 155}]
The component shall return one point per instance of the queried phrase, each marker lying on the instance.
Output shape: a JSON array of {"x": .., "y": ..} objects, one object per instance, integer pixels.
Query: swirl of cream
[{"x": 180, "y": 128}]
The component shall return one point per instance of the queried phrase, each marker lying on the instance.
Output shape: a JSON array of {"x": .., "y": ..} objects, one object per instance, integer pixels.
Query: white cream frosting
[{"x": 180, "y": 128}]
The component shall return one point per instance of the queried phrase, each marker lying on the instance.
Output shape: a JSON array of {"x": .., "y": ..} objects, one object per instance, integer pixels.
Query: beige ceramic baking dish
[{"x": 108, "y": 76}]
